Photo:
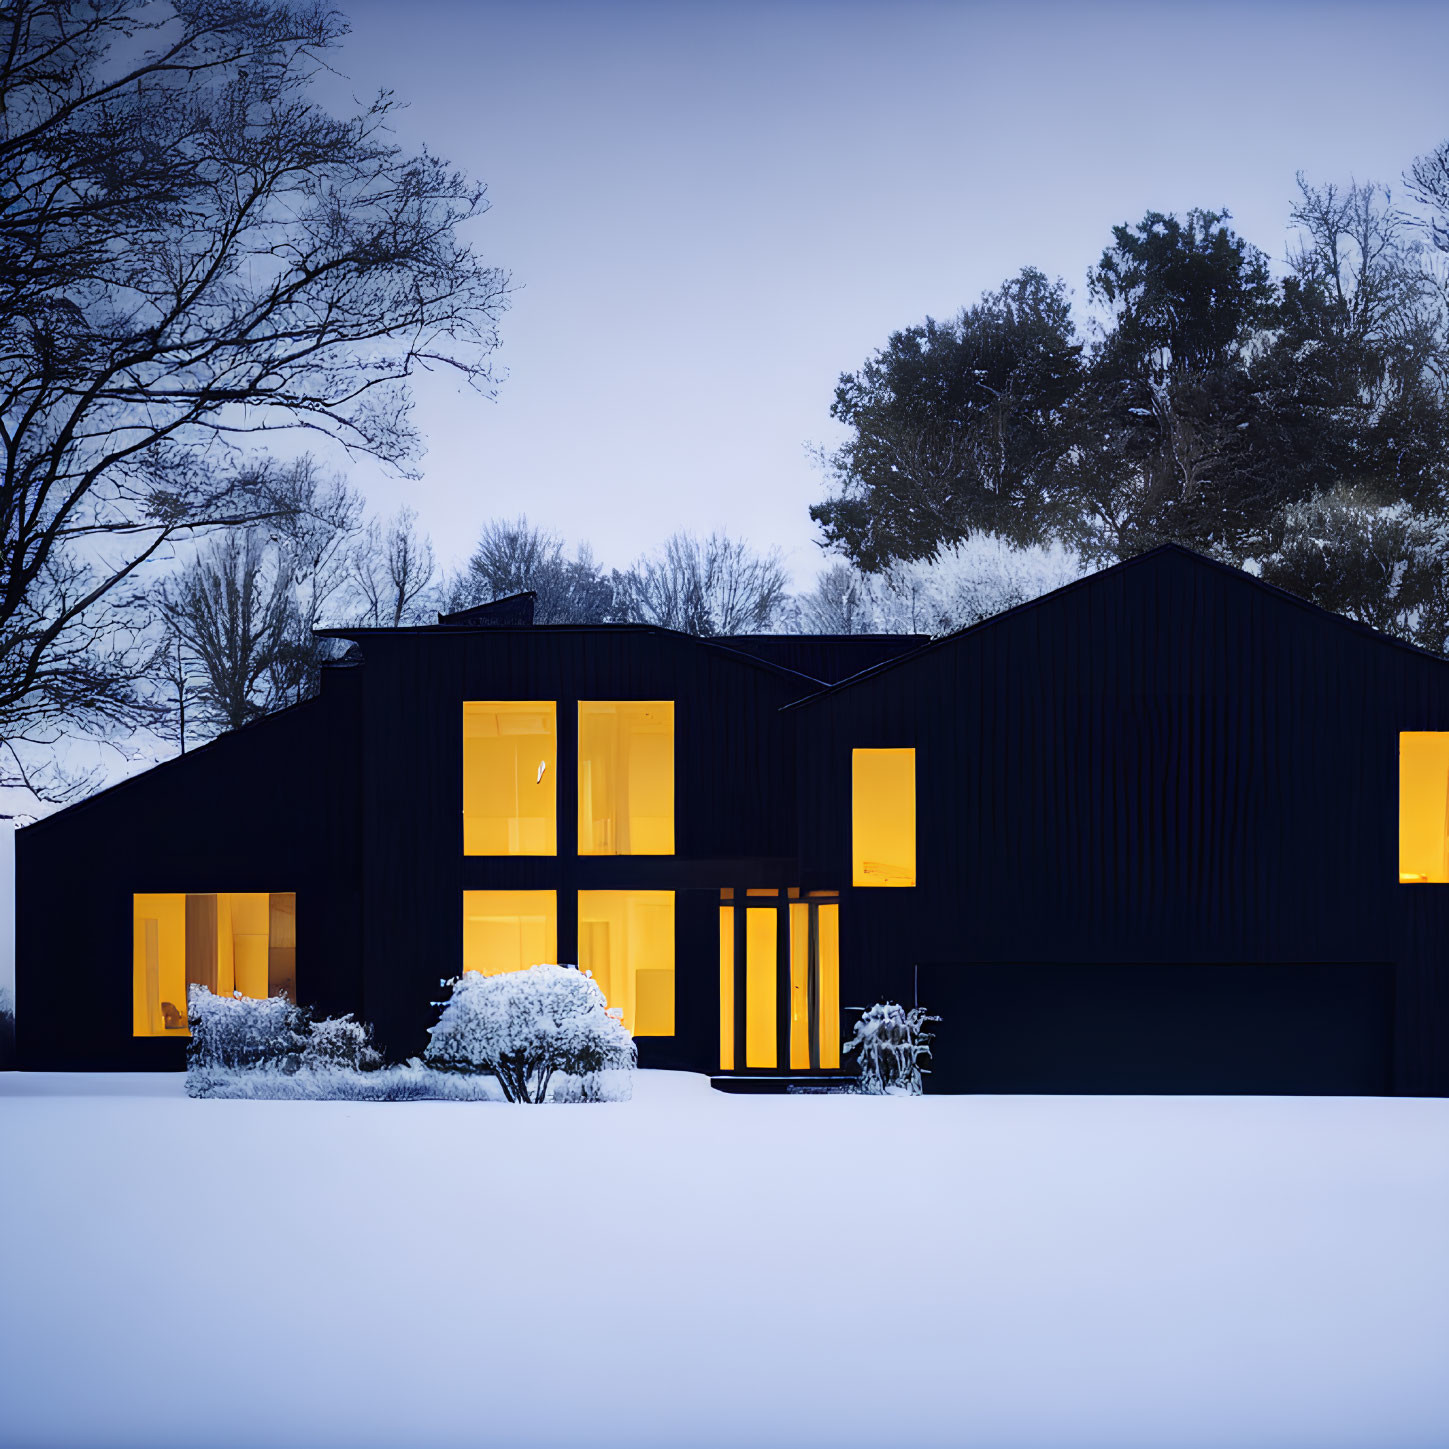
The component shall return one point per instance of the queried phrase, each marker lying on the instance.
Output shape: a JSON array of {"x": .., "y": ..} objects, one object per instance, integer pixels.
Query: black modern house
[{"x": 1163, "y": 830}]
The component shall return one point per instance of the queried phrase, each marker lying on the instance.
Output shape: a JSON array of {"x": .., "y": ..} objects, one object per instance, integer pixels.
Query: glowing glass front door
[{"x": 779, "y": 982}]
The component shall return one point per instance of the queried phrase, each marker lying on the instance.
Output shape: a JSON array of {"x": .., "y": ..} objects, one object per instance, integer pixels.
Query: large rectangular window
[
  {"x": 626, "y": 777},
  {"x": 510, "y": 754},
  {"x": 227, "y": 941},
  {"x": 509, "y": 930},
  {"x": 626, "y": 938},
  {"x": 883, "y": 825},
  {"x": 1423, "y": 816}
]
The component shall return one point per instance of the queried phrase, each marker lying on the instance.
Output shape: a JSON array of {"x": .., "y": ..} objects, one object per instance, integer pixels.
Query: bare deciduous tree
[
  {"x": 393, "y": 569},
  {"x": 840, "y": 603},
  {"x": 242, "y": 614},
  {"x": 514, "y": 556},
  {"x": 192, "y": 255},
  {"x": 1428, "y": 183},
  {"x": 715, "y": 585},
  {"x": 230, "y": 608}
]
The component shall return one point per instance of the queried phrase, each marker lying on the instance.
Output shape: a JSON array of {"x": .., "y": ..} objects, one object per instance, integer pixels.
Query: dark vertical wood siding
[
  {"x": 1167, "y": 762},
  {"x": 734, "y": 802},
  {"x": 826, "y": 657},
  {"x": 272, "y": 807}
]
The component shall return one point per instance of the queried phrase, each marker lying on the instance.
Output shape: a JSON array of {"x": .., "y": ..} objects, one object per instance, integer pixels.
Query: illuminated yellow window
[
  {"x": 626, "y": 778},
  {"x": 229, "y": 941},
  {"x": 510, "y": 754},
  {"x": 799, "y": 987},
  {"x": 761, "y": 962},
  {"x": 828, "y": 920},
  {"x": 727, "y": 988},
  {"x": 509, "y": 930},
  {"x": 823, "y": 944},
  {"x": 883, "y": 828},
  {"x": 626, "y": 938},
  {"x": 1423, "y": 817}
]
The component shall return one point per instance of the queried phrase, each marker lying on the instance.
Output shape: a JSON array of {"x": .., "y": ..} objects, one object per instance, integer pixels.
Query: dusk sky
[{"x": 710, "y": 211}]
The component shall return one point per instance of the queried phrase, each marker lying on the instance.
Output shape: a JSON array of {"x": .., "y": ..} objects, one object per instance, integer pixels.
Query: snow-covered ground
[{"x": 695, "y": 1269}]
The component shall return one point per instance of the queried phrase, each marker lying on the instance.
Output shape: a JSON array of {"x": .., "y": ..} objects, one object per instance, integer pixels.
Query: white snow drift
[{"x": 693, "y": 1269}]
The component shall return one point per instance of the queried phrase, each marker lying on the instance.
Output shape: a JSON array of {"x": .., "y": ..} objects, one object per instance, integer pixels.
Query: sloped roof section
[
  {"x": 1167, "y": 553},
  {"x": 508, "y": 612}
]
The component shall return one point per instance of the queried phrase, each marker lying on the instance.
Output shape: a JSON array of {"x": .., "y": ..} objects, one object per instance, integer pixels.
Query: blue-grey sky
[{"x": 711, "y": 210}]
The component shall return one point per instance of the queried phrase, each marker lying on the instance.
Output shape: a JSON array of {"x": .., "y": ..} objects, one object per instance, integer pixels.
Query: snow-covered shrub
[
  {"x": 891, "y": 1042},
  {"x": 411, "y": 1082},
  {"x": 524, "y": 1027},
  {"x": 243, "y": 1033},
  {"x": 338, "y": 1043}
]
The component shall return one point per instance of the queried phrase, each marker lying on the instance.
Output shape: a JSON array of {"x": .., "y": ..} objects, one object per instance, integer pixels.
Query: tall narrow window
[
  {"x": 1423, "y": 797},
  {"x": 229, "y": 941},
  {"x": 626, "y": 938},
  {"x": 828, "y": 927},
  {"x": 510, "y": 751},
  {"x": 626, "y": 777},
  {"x": 761, "y": 958},
  {"x": 509, "y": 930},
  {"x": 884, "y": 817},
  {"x": 727, "y": 988},
  {"x": 814, "y": 986}
]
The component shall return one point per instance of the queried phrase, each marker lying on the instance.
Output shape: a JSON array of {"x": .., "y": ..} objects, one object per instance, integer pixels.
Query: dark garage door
[{"x": 1161, "y": 1027}]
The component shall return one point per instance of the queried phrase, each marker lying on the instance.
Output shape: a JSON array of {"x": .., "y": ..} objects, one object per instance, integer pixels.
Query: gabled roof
[{"x": 1156, "y": 555}]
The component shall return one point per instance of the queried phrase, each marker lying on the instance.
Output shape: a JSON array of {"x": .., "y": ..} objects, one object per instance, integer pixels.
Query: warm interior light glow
[
  {"x": 883, "y": 833},
  {"x": 1423, "y": 793},
  {"x": 727, "y": 989},
  {"x": 509, "y": 801},
  {"x": 626, "y": 777},
  {"x": 509, "y": 930},
  {"x": 828, "y": 950},
  {"x": 799, "y": 988},
  {"x": 761, "y": 960},
  {"x": 626, "y": 938},
  {"x": 228, "y": 941}
]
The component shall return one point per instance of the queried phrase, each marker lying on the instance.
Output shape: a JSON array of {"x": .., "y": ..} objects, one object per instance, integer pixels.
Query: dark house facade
[{"x": 1162, "y": 830}]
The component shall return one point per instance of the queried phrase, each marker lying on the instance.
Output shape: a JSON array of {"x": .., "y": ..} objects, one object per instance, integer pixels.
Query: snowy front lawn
[{"x": 691, "y": 1268}]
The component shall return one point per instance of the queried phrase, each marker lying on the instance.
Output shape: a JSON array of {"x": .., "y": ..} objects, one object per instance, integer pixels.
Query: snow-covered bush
[
  {"x": 243, "y": 1033},
  {"x": 410, "y": 1082},
  {"x": 241, "y": 1036},
  {"x": 338, "y": 1043},
  {"x": 525, "y": 1027},
  {"x": 891, "y": 1042}
]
